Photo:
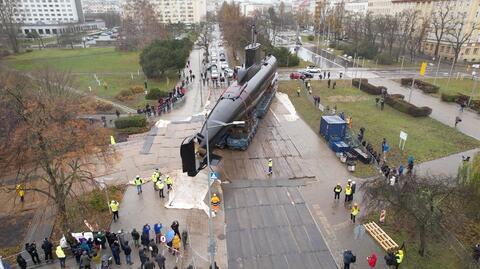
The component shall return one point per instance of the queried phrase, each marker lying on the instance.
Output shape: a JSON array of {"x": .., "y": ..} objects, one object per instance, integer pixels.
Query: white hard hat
[{"x": 137, "y": 176}]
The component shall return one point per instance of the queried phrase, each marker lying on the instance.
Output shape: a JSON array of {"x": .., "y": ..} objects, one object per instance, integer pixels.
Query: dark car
[{"x": 297, "y": 75}]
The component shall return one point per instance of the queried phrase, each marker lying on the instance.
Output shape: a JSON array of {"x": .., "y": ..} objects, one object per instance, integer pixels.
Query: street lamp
[{"x": 212, "y": 244}]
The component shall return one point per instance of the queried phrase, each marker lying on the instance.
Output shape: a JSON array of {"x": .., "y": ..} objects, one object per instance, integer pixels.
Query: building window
[
  {"x": 475, "y": 50},
  {"x": 467, "y": 51}
]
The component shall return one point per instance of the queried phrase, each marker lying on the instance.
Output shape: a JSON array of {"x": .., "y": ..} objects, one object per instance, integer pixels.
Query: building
[
  {"x": 101, "y": 6},
  {"x": 250, "y": 8},
  {"x": 51, "y": 17},
  {"x": 184, "y": 11},
  {"x": 380, "y": 7},
  {"x": 360, "y": 7}
]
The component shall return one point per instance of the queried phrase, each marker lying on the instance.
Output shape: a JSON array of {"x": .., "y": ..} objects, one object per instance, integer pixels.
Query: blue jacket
[
  {"x": 347, "y": 257},
  {"x": 146, "y": 229},
  {"x": 157, "y": 228}
]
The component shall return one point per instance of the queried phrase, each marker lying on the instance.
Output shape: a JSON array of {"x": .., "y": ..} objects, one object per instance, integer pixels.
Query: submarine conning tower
[{"x": 252, "y": 55}]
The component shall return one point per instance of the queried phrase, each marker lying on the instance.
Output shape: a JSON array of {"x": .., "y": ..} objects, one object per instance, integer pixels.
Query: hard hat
[
  {"x": 338, "y": 183},
  {"x": 349, "y": 180},
  {"x": 269, "y": 159},
  {"x": 137, "y": 176},
  {"x": 113, "y": 201},
  {"x": 355, "y": 204},
  {"x": 214, "y": 194}
]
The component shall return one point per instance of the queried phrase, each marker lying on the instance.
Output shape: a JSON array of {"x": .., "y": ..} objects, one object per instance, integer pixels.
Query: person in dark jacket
[
  {"x": 348, "y": 258},
  {"x": 160, "y": 259},
  {"x": 47, "y": 247},
  {"x": 128, "y": 253},
  {"x": 135, "y": 237},
  {"x": 32, "y": 250},
  {"x": 174, "y": 227},
  {"x": 146, "y": 231},
  {"x": 149, "y": 264},
  {"x": 153, "y": 248},
  {"x": 22, "y": 263},
  {"x": 143, "y": 257},
  {"x": 85, "y": 261},
  {"x": 144, "y": 240},
  {"x": 116, "y": 252}
]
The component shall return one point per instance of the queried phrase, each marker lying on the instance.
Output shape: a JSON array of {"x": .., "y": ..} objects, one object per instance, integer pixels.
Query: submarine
[{"x": 238, "y": 102}]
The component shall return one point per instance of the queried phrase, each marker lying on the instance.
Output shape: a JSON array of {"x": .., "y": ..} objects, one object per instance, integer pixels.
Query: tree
[
  {"x": 420, "y": 200},
  {"x": 44, "y": 139},
  {"x": 285, "y": 58},
  {"x": 393, "y": 23},
  {"x": 408, "y": 23},
  {"x": 35, "y": 36},
  {"x": 111, "y": 18},
  {"x": 8, "y": 26},
  {"x": 161, "y": 56},
  {"x": 205, "y": 37},
  {"x": 414, "y": 43},
  {"x": 460, "y": 33},
  {"x": 69, "y": 37},
  {"x": 442, "y": 20}
]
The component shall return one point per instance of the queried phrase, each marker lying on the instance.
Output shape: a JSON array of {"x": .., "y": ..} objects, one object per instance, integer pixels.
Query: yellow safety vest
[
  {"x": 348, "y": 190},
  {"x": 399, "y": 256},
  {"x": 59, "y": 252},
  {"x": 270, "y": 163},
  {"x": 215, "y": 200},
  {"x": 169, "y": 181},
  {"x": 155, "y": 177},
  {"x": 138, "y": 181},
  {"x": 355, "y": 210},
  {"x": 114, "y": 206},
  {"x": 160, "y": 185},
  {"x": 338, "y": 189}
]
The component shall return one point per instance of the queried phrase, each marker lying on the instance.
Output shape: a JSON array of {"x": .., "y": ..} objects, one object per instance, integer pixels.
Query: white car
[
  {"x": 214, "y": 74},
  {"x": 223, "y": 65},
  {"x": 313, "y": 69},
  {"x": 228, "y": 72}
]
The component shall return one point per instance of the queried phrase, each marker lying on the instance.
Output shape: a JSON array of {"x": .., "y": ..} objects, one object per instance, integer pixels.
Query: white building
[
  {"x": 250, "y": 8},
  {"x": 101, "y": 6},
  {"x": 184, "y": 11},
  {"x": 381, "y": 7},
  {"x": 360, "y": 7}
]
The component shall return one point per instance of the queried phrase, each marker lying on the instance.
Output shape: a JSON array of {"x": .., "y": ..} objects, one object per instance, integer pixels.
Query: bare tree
[
  {"x": 414, "y": 42},
  {"x": 47, "y": 139},
  {"x": 205, "y": 37},
  {"x": 8, "y": 26},
  {"x": 442, "y": 21},
  {"x": 420, "y": 200},
  {"x": 392, "y": 26},
  {"x": 460, "y": 33},
  {"x": 408, "y": 23}
]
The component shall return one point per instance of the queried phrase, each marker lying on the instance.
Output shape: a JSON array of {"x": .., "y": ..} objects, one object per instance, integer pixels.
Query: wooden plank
[{"x": 385, "y": 241}]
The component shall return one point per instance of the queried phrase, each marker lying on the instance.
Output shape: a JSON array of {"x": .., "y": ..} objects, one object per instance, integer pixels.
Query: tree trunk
[
  {"x": 437, "y": 46},
  {"x": 423, "y": 240}
]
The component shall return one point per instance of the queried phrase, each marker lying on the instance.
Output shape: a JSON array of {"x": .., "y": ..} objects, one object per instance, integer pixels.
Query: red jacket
[{"x": 372, "y": 260}]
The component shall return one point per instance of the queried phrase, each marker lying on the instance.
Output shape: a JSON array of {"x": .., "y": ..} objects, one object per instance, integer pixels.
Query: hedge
[
  {"x": 155, "y": 94},
  {"x": 396, "y": 101},
  {"x": 131, "y": 121},
  {"x": 367, "y": 87},
  {"x": 422, "y": 85},
  {"x": 450, "y": 97}
]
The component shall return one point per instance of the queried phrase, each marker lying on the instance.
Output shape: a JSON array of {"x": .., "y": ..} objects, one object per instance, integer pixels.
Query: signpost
[
  {"x": 403, "y": 139},
  {"x": 423, "y": 69}
]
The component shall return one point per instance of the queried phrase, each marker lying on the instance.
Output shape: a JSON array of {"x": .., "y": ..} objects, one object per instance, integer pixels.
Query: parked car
[
  {"x": 297, "y": 75},
  {"x": 313, "y": 69},
  {"x": 228, "y": 72},
  {"x": 214, "y": 74},
  {"x": 223, "y": 65},
  {"x": 306, "y": 74}
]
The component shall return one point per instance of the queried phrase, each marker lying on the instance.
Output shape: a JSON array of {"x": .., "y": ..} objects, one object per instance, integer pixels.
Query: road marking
[{"x": 290, "y": 197}]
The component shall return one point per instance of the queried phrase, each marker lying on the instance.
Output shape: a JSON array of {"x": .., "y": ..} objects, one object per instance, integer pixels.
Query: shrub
[
  {"x": 103, "y": 107},
  {"x": 155, "y": 94},
  {"x": 137, "y": 89},
  {"x": 450, "y": 97},
  {"x": 367, "y": 87},
  {"x": 283, "y": 56},
  {"x": 132, "y": 121},
  {"x": 385, "y": 59},
  {"x": 97, "y": 201},
  {"x": 124, "y": 95},
  {"x": 397, "y": 102},
  {"x": 422, "y": 85},
  {"x": 311, "y": 37},
  {"x": 332, "y": 45},
  {"x": 133, "y": 130}
]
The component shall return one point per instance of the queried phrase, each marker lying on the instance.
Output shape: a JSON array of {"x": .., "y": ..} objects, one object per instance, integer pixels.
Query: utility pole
[{"x": 436, "y": 73}]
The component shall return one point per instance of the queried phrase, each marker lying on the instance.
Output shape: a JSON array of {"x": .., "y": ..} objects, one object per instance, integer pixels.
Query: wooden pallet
[{"x": 380, "y": 236}]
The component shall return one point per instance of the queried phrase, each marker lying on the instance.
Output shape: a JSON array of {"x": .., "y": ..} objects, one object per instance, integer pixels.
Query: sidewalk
[{"x": 441, "y": 111}]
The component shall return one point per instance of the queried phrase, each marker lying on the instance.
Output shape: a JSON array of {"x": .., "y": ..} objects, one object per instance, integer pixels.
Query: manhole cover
[{"x": 221, "y": 237}]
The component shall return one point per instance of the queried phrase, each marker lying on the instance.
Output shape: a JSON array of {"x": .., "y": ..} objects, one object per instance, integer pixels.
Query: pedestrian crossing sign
[
  {"x": 214, "y": 176},
  {"x": 423, "y": 68}
]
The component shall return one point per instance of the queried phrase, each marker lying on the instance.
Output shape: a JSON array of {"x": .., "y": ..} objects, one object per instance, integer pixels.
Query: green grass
[
  {"x": 463, "y": 86},
  {"x": 110, "y": 66},
  {"x": 428, "y": 139}
]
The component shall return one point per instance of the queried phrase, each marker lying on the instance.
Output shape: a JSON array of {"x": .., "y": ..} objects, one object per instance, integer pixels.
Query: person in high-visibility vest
[
  {"x": 354, "y": 212},
  {"x": 215, "y": 201},
  {"x": 61, "y": 256},
  {"x": 21, "y": 192},
  {"x": 270, "y": 167},
  {"x": 169, "y": 182},
  {"x": 348, "y": 192},
  {"x": 160, "y": 187},
  {"x": 155, "y": 178},
  {"x": 114, "y": 205},
  {"x": 337, "y": 190},
  {"x": 398, "y": 258},
  {"x": 138, "y": 183}
]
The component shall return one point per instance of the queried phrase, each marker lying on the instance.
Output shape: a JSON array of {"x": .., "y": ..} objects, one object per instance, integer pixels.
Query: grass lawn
[
  {"x": 428, "y": 139},
  {"x": 111, "y": 66},
  {"x": 463, "y": 86}
]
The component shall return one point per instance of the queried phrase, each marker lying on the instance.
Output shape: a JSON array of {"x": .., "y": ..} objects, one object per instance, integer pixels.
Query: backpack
[{"x": 354, "y": 258}]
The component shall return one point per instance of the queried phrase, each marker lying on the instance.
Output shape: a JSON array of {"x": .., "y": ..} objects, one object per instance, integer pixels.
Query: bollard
[{"x": 382, "y": 216}]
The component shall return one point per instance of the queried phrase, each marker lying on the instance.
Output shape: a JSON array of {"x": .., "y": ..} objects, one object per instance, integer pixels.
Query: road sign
[
  {"x": 423, "y": 68},
  {"x": 403, "y": 139},
  {"x": 214, "y": 176},
  {"x": 163, "y": 239}
]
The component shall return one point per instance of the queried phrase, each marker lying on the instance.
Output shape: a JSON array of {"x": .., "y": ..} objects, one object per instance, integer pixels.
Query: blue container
[
  {"x": 339, "y": 146},
  {"x": 333, "y": 128}
]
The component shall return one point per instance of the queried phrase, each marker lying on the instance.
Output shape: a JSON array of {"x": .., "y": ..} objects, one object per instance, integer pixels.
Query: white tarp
[
  {"x": 283, "y": 98},
  {"x": 188, "y": 192}
]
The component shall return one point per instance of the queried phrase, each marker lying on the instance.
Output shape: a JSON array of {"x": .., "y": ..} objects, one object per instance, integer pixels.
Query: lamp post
[
  {"x": 212, "y": 243},
  {"x": 403, "y": 59}
]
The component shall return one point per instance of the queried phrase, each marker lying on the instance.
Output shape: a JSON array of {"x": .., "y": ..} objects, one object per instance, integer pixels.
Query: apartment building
[
  {"x": 184, "y": 11},
  {"x": 101, "y": 6}
]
